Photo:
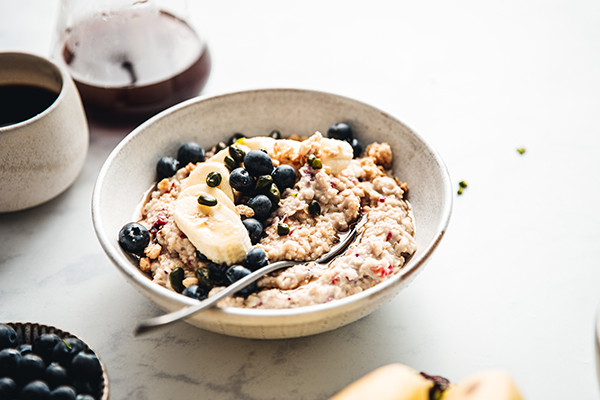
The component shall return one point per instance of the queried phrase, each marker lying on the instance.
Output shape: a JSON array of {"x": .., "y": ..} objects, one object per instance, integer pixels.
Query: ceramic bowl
[
  {"x": 41, "y": 156},
  {"x": 129, "y": 171},
  {"x": 27, "y": 332}
]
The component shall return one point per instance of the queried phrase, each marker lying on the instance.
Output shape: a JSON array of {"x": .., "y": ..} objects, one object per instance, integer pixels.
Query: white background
[{"x": 514, "y": 284}]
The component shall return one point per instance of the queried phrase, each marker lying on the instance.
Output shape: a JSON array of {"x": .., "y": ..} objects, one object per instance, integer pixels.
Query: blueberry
[
  {"x": 356, "y": 147},
  {"x": 237, "y": 272},
  {"x": 196, "y": 292},
  {"x": 240, "y": 180},
  {"x": 65, "y": 350},
  {"x": 56, "y": 375},
  {"x": 258, "y": 163},
  {"x": 190, "y": 152},
  {"x": 176, "y": 278},
  {"x": 166, "y": 167},
  {"x": 84, "y": 388},
  {"x": 9, "y": 358},
  {"x": 8, "y": 388},
  {"x": 255, "y": 259},
  {"x": 82, "y": 396},
  {"x": 44, "y": 344},
  {"x": 261, "y": 206},
  {"x": 255, "y": 229},
  {"x": 24, "y": 348},
  {"x": 35, "y": 390},
  {"x": 340, "y": 131},
  {"x": 63, "y": 393},
  {"x": 86, "y": 366},
  {"x": 134, "y": 238},
  {"x": 218, "y": 274},
  {"x": 30, "y": 367},
  {"x": 8, "y": 337},
  {"x": 201, "y": 257},
  {"x": 284, "y": 176}
]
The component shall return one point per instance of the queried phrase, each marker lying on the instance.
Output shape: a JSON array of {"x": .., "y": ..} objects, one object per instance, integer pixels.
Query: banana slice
[
  {"x": 336, "y": 154},
  {"x": 485, "y": 385},
  {"x": 258, "y": 142},
  {"x": 199, "y": 174},
  {"x": 217, "y": 232},
  {"x": 390, "y": 382}
]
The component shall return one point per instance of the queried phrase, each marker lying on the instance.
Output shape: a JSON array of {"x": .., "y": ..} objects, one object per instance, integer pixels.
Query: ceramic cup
[{"x": 42, "y": 155}]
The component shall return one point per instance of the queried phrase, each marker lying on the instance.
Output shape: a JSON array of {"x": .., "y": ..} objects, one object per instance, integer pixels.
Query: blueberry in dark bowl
[
  {"x": 237, "y": 272},
  {"x": 83, "y": 396},
  {"x": 240, "y": 180},
  {"x": 56, "y": 375},
  {"x": 8, "y": 337},
  {"x": 284, "y": 176},
  {"x": 8, "y": 388},
  {"x": 65, "y": 350},
  {"x": 30, "y": 367},
  {"x": 190, "y": 152},
  {"x": 9, "y": 359},
  {"x": 24, "y": 348},
  {"x": 134, "y": 237},
  {"x": 35, "y": 390},
  {"x": 255, "y": 259},
  {"x": 255, "y": 229},
  {"x": 86, "y": 366},
  {"x": 258, "y": 163},
  {"x": 63, "y": 393},
  {"x": 340, "y": 131},
  {"x": 166, "y": 167},
  {"x": 44, "y": 344},
  {"x": 261, "y": 206}
]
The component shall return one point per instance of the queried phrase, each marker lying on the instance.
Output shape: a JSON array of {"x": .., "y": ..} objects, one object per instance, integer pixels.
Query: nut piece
[
  {"x": 153, "y": 251},
  {"x": 381, "y": 153},
  {"x": 244, "y": 210},
  {"x": 145, "y": 264}
]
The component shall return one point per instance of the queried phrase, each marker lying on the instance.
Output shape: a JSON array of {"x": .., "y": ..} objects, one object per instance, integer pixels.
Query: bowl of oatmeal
[{"x": 210, "y": 190}]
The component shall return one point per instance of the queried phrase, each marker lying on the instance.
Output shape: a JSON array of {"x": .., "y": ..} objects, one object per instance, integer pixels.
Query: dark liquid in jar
[
  {"x": 19, "y": 103},
  {"x": 131, "y": 65}
]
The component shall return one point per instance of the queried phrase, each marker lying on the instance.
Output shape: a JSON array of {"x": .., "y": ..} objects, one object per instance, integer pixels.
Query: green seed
[
  {"x": 462, "y": 184},
  {"x": 203, "y": 276},
  {"x": 459, "y": 191},
  {"x": 237, "y": 153},
  {"x": 213, "y": 179},
  {"x": 207, "y": 200},
  {"x": 273, "y": 194},
  {"x": 521, "y": 150},
  {"x": 283, "y": 229},
  {"x": 314, "y": 208},
  {"x": 314, "y": 162},
  {"x": 263, "y": 181},
  {"x": 230, "y": 163},
  {"x": 220, "y": 146},
  {"x": 176, "y": 279}
]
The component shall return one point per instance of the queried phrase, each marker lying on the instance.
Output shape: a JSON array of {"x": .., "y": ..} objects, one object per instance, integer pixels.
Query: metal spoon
[{"x": 156, "y": 322}]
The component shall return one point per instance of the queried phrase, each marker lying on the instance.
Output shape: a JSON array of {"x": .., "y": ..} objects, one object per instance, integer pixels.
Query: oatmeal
[{"x": 278, "y": 200}]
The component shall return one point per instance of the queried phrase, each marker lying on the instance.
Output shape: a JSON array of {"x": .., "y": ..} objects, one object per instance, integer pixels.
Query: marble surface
[{"x": 514, "y": 284}]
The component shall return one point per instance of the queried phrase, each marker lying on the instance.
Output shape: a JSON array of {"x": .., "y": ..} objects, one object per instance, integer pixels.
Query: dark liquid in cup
[
  {"x": 133, "y": 64},
  {"x": 19, "y": 103}
]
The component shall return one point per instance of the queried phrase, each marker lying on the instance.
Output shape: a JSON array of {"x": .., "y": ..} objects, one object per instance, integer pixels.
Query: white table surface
[{"x": 514, "y": 284}]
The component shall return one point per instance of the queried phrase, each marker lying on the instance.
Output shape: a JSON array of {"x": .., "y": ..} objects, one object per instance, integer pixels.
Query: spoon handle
[{"x": 156, "y": 322}]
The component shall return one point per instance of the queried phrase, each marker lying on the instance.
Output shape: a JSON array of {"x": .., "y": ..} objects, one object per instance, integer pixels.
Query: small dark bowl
[{"x": 27, "y": 332}]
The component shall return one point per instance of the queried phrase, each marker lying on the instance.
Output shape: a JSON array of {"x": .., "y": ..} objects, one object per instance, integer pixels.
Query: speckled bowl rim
[
  {"x": 34, "y": 330},
  {"x": 412, "y": 267}
]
